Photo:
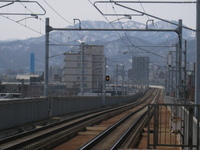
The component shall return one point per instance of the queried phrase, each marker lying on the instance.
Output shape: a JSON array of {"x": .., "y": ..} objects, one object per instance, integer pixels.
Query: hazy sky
[{"x": 83, "y": 10}]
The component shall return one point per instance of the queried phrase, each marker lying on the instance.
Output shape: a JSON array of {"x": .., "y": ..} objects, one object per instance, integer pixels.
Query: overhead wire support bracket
[
  {"x": 78, "y": 21},
  {"x": 49, "y": 28},
  {"x": 143, "y": 13},
  {"x": 111, "y": 29},
  {"x": 163, "y": 2},
  {"x": 12, "y": 2},
  {"x": 6, "y": 4}
]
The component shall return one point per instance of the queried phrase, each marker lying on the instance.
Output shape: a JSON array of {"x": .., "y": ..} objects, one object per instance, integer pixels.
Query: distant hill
[{"x": 120, "y": 46}]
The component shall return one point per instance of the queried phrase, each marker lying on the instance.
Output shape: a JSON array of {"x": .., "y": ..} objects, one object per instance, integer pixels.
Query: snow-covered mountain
[{"x": 118, "y": 45}]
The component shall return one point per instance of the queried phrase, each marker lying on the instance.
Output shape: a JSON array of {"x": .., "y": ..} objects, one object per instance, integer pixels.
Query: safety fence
[
  {"x": 175, "y": 124},
  {"x": 17, "y": 112}
]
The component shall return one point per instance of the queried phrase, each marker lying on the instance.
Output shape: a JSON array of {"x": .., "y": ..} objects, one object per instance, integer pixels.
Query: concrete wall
[
  {"x": 19, "y": 112},
  {"x": 65, "y": 105}
]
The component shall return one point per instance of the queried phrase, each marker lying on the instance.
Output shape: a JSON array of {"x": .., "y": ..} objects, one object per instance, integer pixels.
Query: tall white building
[{"x": 93, "y": 71}]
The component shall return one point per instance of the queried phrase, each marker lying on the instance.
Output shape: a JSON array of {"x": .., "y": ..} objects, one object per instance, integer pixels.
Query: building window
[
  {"x": 78, "y": 64},
  {"x": 78, "y": 71}
]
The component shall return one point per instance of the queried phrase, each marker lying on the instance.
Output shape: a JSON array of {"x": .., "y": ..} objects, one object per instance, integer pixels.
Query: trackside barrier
[
  {"x": 175, "y": 124},
  {"x": 17, "y": 112}
]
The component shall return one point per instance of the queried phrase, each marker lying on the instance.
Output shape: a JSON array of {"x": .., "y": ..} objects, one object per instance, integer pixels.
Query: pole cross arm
[
  {"x": 111, "y": 29},
  {"x": 48, "y": 29}
]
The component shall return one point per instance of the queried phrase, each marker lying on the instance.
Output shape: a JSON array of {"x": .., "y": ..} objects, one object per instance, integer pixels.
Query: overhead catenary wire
[
  {"x": 57, "y": 12},
  {"x": 62, "y": 17},
  {"x": 150, "y": 19},
  {"x": 126, "y": 35},
  {"x": 41, "y": 20},
  {"x": 39, "y": 32},
  {"x": 128, "y": 38},
  {"x": 134, "y": 44},
  {"x": 22, "y": 24},
  {"x": 144, "y": 13}
]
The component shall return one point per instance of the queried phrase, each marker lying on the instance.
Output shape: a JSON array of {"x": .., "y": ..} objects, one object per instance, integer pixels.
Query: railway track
[
  {"x": 52, "y": 135},
  {"x": 123, "y": 132}
]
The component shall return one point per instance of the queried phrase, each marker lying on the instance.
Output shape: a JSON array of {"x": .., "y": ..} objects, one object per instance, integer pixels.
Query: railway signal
[{"x": 107, "y": 77}]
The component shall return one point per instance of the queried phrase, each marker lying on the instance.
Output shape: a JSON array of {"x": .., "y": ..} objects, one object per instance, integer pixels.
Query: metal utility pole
[
  {"x": 197, "y": 66},
  {"x": 180, "y": 59},
  {"x": 49, "y": 29},
  {"x": 82, "y": 67},
  {"x": 116, "y": 76},
  {"x": 122, "y": 80},
  {"x": 172, "y": 79},
  {"x": 22, "y": 88},
  {"x": 127, "y": 86},
  {"x": 104, "y": 84},
  {"x": 177, "y": 73},
  {"x": 185, "y": 70},
  {"x": 46, "y": 70}
]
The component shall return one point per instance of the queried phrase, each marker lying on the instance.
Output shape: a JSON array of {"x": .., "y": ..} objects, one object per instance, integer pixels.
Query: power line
[
  {"x": 61, "y": 16},
  {"x": 32, "y": 29},
  {"x": 22, "y": 25},
  {"x": 44, "y": 21},
  {"x": 131, "y": 41},
  {"x": 127, "y": 36},
  {"x": 57, "y": 12},
  {"x": 149, "y": 19},
  {"x": 143, "y": 9}
]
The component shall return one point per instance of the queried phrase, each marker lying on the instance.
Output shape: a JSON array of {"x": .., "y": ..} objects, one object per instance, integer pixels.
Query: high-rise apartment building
[
  {"x": 140, "y": 70},
  {"x": 93, "y": 60}
]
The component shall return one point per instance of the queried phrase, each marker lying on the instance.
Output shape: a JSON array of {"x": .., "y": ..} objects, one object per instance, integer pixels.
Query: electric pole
[
  {"x": 116, "y": 82},
  {"x": 82, "y": 67},
  {"x": 197, "y": 66},
  {"x": 46, "y": 70}
]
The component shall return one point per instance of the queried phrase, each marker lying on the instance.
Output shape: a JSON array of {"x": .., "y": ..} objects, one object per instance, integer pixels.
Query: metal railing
[{"x": 174, "y": 125}]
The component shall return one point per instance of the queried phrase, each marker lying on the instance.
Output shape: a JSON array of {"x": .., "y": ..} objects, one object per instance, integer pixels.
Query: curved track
[
  {"x": 114, "y": 132},
  {"x": 52, "y": 135}
]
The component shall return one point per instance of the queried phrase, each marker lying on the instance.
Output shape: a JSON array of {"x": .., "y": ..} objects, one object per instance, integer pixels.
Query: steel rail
[
  {"x": 110, "y": 115},
  {"x": 18, "y": 145},
  {"x": 127, "y": 133},
  {"x": 99, "y": 137},
  {"x": 137, "y": 125},
  {"x": 60, "y": 139},
  {"x": 4, "y": 140}
]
